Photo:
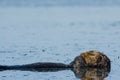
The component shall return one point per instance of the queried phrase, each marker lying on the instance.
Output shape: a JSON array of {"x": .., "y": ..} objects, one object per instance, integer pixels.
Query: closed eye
[{"x": 99, "y": 59}]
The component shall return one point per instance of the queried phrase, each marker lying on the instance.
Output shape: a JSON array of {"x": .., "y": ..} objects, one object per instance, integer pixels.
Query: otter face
[{"x": 91, "y": 58}]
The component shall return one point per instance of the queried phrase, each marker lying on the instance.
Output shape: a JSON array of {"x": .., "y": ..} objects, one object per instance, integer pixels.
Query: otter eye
[{"x": 99, "y": 59}]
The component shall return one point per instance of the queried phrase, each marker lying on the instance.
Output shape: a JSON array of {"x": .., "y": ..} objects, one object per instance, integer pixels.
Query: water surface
[{"x": 57, "y": 34}]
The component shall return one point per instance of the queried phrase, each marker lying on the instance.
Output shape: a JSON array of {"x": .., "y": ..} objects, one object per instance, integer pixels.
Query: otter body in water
[{"x": 92, "y": 59}]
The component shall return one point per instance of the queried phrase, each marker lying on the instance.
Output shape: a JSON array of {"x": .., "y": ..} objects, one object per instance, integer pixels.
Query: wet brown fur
[{"x": 91, "y": 58}]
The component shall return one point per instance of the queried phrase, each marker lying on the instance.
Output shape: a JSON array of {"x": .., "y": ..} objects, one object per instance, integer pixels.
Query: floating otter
[
  {"x": 91, "y": 59},
  {"x": 89, "y": 65}
]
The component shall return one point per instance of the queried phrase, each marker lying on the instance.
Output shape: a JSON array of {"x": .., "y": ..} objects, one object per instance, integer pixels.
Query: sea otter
[{"x": 91, "y": 59}]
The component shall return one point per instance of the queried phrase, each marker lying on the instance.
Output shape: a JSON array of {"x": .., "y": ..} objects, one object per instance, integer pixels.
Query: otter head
[{"x": 91, "y": 59}]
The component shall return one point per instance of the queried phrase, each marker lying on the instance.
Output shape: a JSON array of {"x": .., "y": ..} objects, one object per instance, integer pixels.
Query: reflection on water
[
  {"x": 91, "y": 73},
  {"x": 81, "y": 73}
]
